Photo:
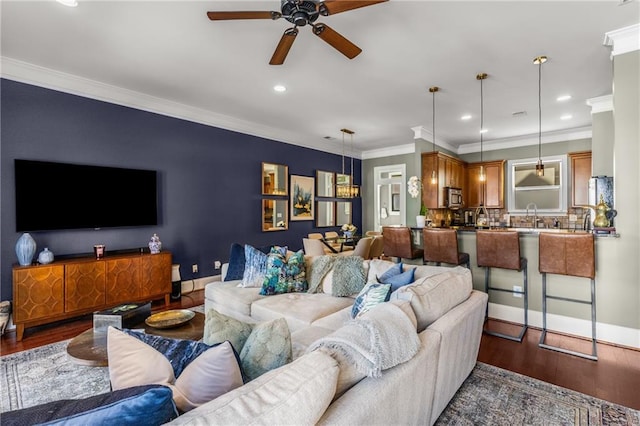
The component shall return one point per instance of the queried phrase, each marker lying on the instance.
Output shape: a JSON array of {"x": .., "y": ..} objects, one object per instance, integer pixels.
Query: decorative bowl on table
[{"x": 170, "y": 319}]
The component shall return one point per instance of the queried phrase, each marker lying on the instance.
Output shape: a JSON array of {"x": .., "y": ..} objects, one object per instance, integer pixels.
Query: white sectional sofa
[{"x": 447, "y": 313}]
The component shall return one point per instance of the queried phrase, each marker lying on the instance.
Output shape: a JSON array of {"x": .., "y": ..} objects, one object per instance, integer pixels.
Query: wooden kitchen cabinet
[
  {"x": 77, "y": 286},
  {"x": 580, "y": 175},
  {"x": 450, "y": 171},
  {"x": 491, "y": 193}
]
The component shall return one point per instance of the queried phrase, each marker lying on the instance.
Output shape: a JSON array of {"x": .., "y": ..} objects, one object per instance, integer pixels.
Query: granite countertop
[{"x": 532, "y": 231}]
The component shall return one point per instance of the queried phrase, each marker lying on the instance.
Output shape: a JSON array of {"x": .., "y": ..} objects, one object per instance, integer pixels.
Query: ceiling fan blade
[
  {"x": 331, "y": 7},
  {"x": 223, "y": 16},
  {"x": 283, "y": 47},
  {"x": 336, "y": 40}
]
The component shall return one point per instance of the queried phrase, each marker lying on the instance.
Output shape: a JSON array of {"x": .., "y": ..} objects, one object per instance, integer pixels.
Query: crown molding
[
  {"x": 623, "y": 40},
  {"x": 25, "y": 72},
  {"x": 527, "y": 140},
  {"x": 421, "y": 132},
  {"x": 389, "y": 152},
  {"x": 600, "y": 104}
]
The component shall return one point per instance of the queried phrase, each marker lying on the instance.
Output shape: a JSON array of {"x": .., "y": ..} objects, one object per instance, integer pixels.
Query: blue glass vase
[{"x": 25, "y": 249}]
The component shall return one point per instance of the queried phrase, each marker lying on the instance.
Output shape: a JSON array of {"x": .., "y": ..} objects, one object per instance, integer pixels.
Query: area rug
[
  {"x": 489, "y": 396},
  {"x": 493, "y": 396}
]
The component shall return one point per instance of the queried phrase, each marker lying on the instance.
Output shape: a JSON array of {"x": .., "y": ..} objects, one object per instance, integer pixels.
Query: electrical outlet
[
  {"x": 217, "y": 264},
  {"x": 517, "y": 288},
  {"x": 194, "y": 268}
]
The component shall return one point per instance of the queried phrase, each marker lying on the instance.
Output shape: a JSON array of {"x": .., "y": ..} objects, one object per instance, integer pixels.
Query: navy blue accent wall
[{"x": 209, "y": 178}]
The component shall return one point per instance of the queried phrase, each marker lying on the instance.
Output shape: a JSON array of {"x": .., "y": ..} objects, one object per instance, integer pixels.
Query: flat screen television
[{"x": 55, "y": 196}]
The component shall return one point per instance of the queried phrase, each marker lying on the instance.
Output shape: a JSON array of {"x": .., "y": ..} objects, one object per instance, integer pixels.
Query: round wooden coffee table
[{"x": 90, "y": 349}]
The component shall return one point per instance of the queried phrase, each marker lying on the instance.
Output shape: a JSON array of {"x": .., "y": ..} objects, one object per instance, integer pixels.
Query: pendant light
[
  {"x": 481, "y": 77},
  {"x": 539, "y": 60},
  {"x": 482, "y": 216},
  {"x": 434, "y": 175},
  {"x": 347, "y": 189}
]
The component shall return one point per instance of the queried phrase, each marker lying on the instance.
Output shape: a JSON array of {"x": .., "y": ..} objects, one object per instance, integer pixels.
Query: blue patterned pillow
[
  {"x": 284, "y": 275},
  {"x": 255, "y": 267},
  {"x": 371, "y": 295}
]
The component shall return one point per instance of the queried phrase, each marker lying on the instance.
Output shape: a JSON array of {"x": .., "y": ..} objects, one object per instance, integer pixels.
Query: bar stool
[
  {"x": 398, "y": 242},
  {"x": 501, "y": 249},
  {"x": 572, "y": 255},
  {"x": 441, "y": 246}
]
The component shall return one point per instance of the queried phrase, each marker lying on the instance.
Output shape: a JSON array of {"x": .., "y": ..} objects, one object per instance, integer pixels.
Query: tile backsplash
[{"x": 497, "y": 218}]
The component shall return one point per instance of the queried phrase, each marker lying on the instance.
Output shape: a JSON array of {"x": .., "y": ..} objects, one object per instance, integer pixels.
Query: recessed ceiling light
[
  {"x": 70, "y": 3},
  {"x": 484, "y": 130},
  {"x": 279, "y": 88},
  {"x": 466, "y": 117},
  {"x": 566, "y": 117},
  {"x": 563, "y": 98}
]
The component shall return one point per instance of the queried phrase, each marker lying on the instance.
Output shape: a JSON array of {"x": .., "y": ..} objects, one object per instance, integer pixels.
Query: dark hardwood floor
[{"x": 615, "y": 377}]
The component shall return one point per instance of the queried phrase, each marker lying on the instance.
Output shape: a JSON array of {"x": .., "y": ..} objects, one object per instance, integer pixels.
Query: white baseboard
[
  {"x": 197, "y": 284},
  {"x": 574, "y": 326}
]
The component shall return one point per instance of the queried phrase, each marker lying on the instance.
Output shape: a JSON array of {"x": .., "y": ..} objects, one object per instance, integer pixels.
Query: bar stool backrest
[
  {"x": 498, "y": 249},
  {"x": 397, "y": 241},
  {"x": 440, "y": 245},
  {"x": 567, "y": 254}
]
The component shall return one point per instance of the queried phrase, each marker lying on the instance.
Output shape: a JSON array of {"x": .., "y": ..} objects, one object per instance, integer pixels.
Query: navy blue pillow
[
  {"x": 236, "y": 263},
  {"x": 135, "y": 406},
  {"x": 397, "y": 281},
  {"x": 394, "y": 270}
]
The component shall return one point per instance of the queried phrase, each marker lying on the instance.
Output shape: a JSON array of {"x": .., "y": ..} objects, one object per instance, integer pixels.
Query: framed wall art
[{"x": 302, "y": 198}]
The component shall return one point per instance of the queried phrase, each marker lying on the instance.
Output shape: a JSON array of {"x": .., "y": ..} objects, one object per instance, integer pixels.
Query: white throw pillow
[{"x": 134, "y": 363}]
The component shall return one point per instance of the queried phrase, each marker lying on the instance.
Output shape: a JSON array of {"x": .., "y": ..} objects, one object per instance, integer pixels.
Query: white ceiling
[{"x": 167, "y": 56}]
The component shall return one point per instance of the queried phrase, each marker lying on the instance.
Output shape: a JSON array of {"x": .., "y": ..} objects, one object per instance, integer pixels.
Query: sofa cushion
[
  {"x": 150, "y": 404},
  {"x": 433, "y": 296},
  {"x": 262, "y": 346},
  {"x": 296, "y": 394},
  {"x": 371, "y": 295},
  {"x": 301, "y": 339},
  {"x": 234, "y": 298},
  {"x": 211, "y": 374},
  {"x": 285, "y": 273},
  {"x": 299, "y": 309}
]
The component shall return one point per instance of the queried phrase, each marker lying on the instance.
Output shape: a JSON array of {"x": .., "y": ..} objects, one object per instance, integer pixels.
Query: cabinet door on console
[
  {"x": 38, "y": 292},
  {"x": 123, "y": 280},
  {"x": 85, "y": 286},
  {"x": 156, "y": 274}
]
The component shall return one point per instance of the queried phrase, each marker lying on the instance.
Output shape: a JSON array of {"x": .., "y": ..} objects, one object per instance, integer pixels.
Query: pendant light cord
[
  {"x": 433, "y": 103},
  {"x": 481, "y": 117},
  {"x": 540, "y": 112}
]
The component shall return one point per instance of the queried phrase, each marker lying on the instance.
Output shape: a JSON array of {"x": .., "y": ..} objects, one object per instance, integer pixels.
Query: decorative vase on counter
[
  {"x": 420, "y": 221},
  {"x": 25, "y": 249},
  {"x": 45, "y": 256},
  {"x": 155, "y": 245}
]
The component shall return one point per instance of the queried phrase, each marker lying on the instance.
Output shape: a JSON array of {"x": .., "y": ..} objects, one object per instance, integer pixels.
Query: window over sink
[{"x": 525, "y": 188}]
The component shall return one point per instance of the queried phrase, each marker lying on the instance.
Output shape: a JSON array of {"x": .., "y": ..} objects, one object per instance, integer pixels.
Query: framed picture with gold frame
[{"x": 302, "y": 197}]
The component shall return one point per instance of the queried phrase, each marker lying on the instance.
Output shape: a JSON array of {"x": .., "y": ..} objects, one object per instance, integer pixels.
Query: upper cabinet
[
  {"x": 491, "y": 193},
  {"x": 580, "y": 175},
  {"x": 449, "y": 172}
]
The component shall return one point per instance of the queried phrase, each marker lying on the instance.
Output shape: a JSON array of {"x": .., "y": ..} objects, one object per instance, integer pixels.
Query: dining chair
[
  {"x": 362, "y": 248},
  {"x": 377, "y": 247},
  {"x": 314, "y": 247}
]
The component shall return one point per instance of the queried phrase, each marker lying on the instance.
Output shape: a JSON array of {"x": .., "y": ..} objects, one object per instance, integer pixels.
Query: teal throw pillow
[
  {"x": 284, "y": 275},
  {"x": 371, "y": 295},
  {"x": 262, "y": 347}
]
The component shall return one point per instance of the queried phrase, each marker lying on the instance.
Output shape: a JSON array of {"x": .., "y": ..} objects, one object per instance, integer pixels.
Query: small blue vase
[
  {"x": 45, "y": 256},
  {"x": 25, "y": 249}
]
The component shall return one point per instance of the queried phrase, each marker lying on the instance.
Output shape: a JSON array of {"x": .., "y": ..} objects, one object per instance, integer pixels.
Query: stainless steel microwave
[{"x": 453, "y": 197}]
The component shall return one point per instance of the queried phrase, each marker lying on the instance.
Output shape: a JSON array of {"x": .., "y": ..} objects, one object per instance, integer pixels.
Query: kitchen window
[{"x": 547, "y": 192}]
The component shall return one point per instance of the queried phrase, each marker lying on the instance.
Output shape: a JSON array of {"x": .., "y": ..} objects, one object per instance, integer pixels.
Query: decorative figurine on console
[{"x": 155, "y": 245}]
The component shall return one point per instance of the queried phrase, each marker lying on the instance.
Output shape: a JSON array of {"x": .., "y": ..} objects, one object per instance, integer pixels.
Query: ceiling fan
[{"x": 301, "y": 13}]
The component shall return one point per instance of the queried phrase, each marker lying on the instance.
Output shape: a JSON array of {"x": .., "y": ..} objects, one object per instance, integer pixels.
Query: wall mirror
[
  {"x": 274, "y": 179},
  {"x": 342, "y": 179},
  {"x": 325, "y": 214},
  {"x": 325, "y": 182},
  {"x": 274, "y": 215},
  {"x": 343, "y": 212}
]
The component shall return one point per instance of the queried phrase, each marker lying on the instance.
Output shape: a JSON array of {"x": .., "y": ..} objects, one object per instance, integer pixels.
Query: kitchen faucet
[{"x": 535, "y": 213}]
